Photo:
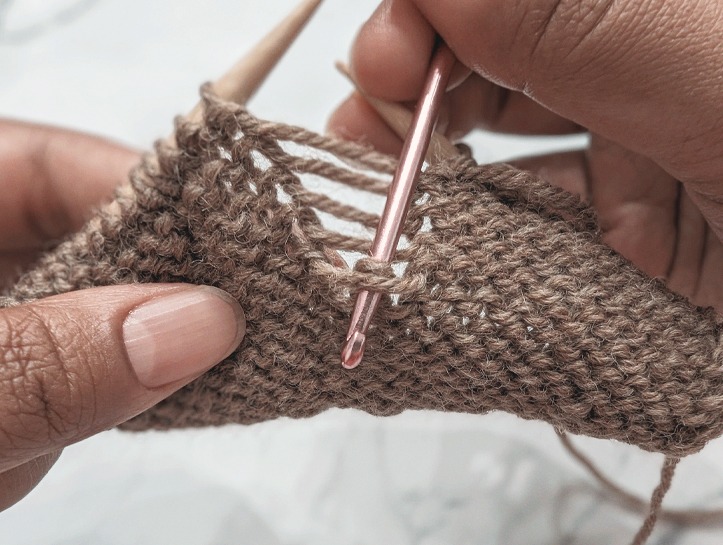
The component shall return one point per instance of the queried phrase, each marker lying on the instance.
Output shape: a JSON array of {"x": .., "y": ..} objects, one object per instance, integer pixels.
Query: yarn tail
[{"x": 666, "y": 479}]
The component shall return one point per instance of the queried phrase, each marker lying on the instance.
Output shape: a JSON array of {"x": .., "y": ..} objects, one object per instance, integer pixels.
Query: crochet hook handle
[{"x": 399, "y": 196}]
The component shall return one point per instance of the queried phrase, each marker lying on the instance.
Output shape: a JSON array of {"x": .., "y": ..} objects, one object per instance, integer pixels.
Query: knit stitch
[{"x": 509, "y": 300}]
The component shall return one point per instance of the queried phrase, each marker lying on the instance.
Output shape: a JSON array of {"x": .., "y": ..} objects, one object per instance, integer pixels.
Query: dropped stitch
[{"x": 503, "y": 297}]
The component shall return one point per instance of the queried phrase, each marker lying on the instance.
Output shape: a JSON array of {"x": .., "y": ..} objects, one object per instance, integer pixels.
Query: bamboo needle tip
[{"x": 244, "y": 78}]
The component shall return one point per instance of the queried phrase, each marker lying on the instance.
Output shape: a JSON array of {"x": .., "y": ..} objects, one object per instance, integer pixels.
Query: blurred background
[{"x": 124, "y": 70}]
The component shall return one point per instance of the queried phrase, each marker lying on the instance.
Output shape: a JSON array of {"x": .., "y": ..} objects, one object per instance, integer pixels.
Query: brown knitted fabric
[{"x": 509, "y": 300}]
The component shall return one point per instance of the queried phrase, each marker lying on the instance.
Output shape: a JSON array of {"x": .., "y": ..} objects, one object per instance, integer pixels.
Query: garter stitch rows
[{"x": 509, "y": 300}]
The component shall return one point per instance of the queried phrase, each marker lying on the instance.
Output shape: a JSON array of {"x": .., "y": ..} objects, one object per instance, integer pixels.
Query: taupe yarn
[{"x": 509, "y": 300}]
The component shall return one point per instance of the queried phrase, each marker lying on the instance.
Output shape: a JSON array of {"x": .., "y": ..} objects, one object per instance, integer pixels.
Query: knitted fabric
[{"x": 509, "y": 300}]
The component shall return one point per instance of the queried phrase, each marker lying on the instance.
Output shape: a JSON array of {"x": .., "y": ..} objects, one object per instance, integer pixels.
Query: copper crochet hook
[{"x": 399, "y": 197}]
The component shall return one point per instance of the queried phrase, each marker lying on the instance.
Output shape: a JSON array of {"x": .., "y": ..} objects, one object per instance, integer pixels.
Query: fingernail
[{"x": 179, "y": 336}]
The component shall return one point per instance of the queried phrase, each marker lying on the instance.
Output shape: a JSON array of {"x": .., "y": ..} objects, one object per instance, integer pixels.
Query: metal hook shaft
[{"x": 399, "y": 197}]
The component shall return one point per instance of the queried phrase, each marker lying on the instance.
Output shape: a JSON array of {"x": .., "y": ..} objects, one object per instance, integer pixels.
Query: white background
[{"x": 124, "y": 69}]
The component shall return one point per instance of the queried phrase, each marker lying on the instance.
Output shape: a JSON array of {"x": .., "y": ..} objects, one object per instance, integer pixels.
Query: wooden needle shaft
[{"x": 244, "y": 78}]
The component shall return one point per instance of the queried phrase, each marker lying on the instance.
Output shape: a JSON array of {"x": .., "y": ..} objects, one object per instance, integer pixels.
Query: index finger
[
  {"x": 50, "y": 180},
  {"x": 390, "y": 56}
]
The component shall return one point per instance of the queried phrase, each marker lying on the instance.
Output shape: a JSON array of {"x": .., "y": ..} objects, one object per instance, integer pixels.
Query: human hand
[
  {"x": 77, "y": 364},
  {"x": 645, "y": 78}
]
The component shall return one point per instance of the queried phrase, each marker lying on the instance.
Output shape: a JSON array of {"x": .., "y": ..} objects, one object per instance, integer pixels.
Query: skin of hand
[
  {"x": 77, "y": 364},
  {"x": 644, "y": 78}
]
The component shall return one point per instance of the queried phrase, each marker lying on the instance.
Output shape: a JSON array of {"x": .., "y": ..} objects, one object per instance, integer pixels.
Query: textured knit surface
[{"x": 509, "y": 300}]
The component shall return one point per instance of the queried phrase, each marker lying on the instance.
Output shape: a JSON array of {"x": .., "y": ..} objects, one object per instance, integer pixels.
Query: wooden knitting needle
[
  {"x": 398, "y": 118},
  {"x": 244, "y": 78}
]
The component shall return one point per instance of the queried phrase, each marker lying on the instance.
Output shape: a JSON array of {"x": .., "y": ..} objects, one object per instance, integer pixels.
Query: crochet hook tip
[
  {"x": 353, "y": 350},
  {"x": 399, "y": 196}
]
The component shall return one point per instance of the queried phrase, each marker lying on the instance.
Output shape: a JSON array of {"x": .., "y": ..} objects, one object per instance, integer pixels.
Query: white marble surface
[{"x": 124, "y": 69}]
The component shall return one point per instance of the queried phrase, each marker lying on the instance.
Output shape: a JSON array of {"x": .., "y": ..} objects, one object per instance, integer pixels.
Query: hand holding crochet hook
[{"x": 645, "y": 81}]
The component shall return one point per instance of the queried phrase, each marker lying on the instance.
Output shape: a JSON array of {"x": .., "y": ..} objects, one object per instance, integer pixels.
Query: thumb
[{"x": 80, "y": 363}]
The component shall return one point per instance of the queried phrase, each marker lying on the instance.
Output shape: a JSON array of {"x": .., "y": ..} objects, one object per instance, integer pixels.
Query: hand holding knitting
[
  {"x": 645, "y": 78},
  {"x": 77, "y": 364}
]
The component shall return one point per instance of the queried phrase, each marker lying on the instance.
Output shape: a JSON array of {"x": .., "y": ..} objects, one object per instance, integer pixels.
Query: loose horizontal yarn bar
[{"x": 509, "y": 300}]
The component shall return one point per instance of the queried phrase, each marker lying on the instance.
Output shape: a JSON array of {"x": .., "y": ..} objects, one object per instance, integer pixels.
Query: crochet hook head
[
  {"x": 399, "y": 197},
  {"x": 353, "y": 351}
]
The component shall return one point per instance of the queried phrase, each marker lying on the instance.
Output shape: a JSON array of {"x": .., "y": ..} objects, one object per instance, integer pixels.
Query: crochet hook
[{"x": 399, "y": 196}]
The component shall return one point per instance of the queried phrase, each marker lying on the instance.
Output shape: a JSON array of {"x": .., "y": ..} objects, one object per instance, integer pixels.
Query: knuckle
[
  {"x": 558, "y": 31},
  {"x": 544, "y": 23},
  {"x": 41, "y": 390}
]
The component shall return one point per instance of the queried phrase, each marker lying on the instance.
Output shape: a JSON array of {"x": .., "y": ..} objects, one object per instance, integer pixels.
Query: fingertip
[
  {"x": 357, "y": 121},
  {"x": 390, "y": 56},
  {"x": 181, "y": 334},
  {"x": 460, "y": 74}
]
